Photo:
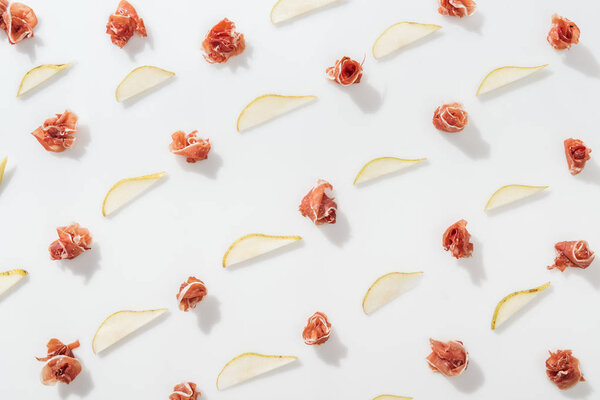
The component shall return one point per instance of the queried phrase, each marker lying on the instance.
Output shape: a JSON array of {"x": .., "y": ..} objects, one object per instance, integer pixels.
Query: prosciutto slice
[
  {"x": 72, "y": 241},
  {"x": 449, "y": 358},
  {"x": 577, "y": 155},
  {"x": 346, "y": 71},
  {"x": 18, "y": 20},
  {"x": 191, "y": 292},
  {"x": 3, "y": 7},
  {"x": 563, "y": 369},
  {"x": 58, "y": 348},
  {"x": 185, "y": 391},
  {"x": 572, "y": 254},
  {"x": 563, "y": 33},
  {"x": 317, "y": 330},
  {"x": 319, "y": 204},
  {"x": 456, "y": 239},
  {"x": 124, "y": 23},
  {"x": 190, "y": 146},
  {"x": 222, "y": 42},
  {"x": 457, "y": 8},
  {"x": 57, "y": 133},
  {"x": 60, "y": 369},
  {"x": 450, "y": 118}
]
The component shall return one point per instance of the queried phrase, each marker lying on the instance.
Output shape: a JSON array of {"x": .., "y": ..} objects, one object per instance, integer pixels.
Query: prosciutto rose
[
  {"x": 72, "y": 241},
  {"x": 450, "y": 118},
  {"x": 190, "y": 146},
  {"x": 191, "y": 292},
  {"x": 345, "y": 71},
  {"x": 456, "y": 239},
  {"x": 124, "y": 23},
  {"x": 18, "y": 20},
  {"x": 57, "y": 133},
  {"x": 317, "y": 330},
  {"x": 449, "y": 358},
  {"x": 563, "y": 369},
  {"x": 319, "y": 204},
  {"x": 457, "y": 8},
  {"x": 577, "y": 154},
  {"x": 222, "y": 42},
  {"x": 61, "y": 365},
  {"x": 185, "y": 391},
  {"x": 572, "y": 254},
  {"x": 563, "y": 33}
]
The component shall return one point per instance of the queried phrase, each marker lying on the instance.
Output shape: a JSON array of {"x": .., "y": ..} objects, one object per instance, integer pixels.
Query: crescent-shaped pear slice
[
  {"x": 3, "y": 167},
  {"x": 121, "y": 324},
  {"x": 249, "y": 365},
  {"x": 391, "y": 397},
  {"x": 399, "y": 35},
  {"x": 127, "y": 190},
  {"x": 10, "y": 278},
  {"x": 511, "y": 193},
  {"x": 268, "y": 107},
  {"x": 387, "y": 288},
  {"x": 285, "y": 10},
  {"x": 140, "y": 80},
  {"x": 254, "y": 245},
  {"x": 383, "y": 166},
  {"x": 38, "y": 75},
  {"x": 514, "y": 302},
  {"x": 504, "y": 76}
]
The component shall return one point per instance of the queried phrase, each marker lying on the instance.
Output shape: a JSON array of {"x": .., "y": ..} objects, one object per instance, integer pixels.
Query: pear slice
[
  {"x": 121, "y": 324},
  {"x": 399, "y": 35},
  {"x": 141, "y": 79},
  {"x": 268, "y": 107},
  {"x": 387, "y": 288},
  {"x": 247, "y": 366},
  {"x": 511, "y": 193},
  {"x": 391, "y": 397},
  {"x": 10, "y": 278},
  {"x": 2, "y": 167},
  {"x": 288, "y": 9},
  {"x": 505, "y": 75},
  {"x": 127, "y": 190},
  {"x": 383, "y": 166},
  {"x": 38, "y": 75},
  {"x": 254, "y": 245},
  {"x": 512, "y": 303}
]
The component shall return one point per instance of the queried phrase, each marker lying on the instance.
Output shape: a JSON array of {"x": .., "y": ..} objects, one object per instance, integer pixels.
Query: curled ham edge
[
  {"x": 315, "y": 206},
  {"x": 53, "y": 380},
  {"x": 7, "y": 17},
  {"x": 188, "y": 391},
  {"x": 458, "y": 4},
  {"x": 464, "y": 366},
  {"x": 442, "y": 113},
  {"x": 181, "y": 295},
  {"x": 315, "y": 320},
  {"x": 570, "y": 250},
  {"x": 335, "y": 73}
]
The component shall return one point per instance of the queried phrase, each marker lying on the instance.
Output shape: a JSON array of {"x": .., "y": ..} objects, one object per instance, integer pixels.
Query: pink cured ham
[
  {"x": 223, "y": 42},
  {"x": 190, "y": 146},
  {"x": 58, "y": 348},
  {"x": 18, "y": 20},
  {"x": 563, "y": 369},
  {"x": 346, "y": 71},
  {"x": 319, "y": 204},
  {"x": 457, "y": 8},
  {"x": 450, "y": 118},
  {"x": 60, "y": 369},
  {"x": 449, "y": 358},
  {"x": 185, "y": 391},
  {"x": 317, "y": 330},
  {"x": 57, "y": 133},
  {"x": 572, "y": 254},
  {"x": 3, "y": 8},
  {"x": 191, "y": 292},
  {"x": 563, "y": 33},
  {"x": 124, "y": 23},
  {"x": 577, "y": 155},
  {"x": 72, "y": 241},
  {"x": 456, "y": 239}
]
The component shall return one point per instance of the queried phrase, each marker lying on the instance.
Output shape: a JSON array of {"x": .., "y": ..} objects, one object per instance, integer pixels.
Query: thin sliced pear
[
  {"x": 247, "y": 366},
  {"x": 287, "y": 9},
  {"x": 121, "y": 324},
  {"x": 505, "y": 75},
  {"x": 512, "y": 303},
  {"x": 127, "y": 190},
  {"x": 511, "y": 193},
  {"x": 2, "y": 167},
  {"x": 38, "y": 75},
  {"x": 391, "y": 397},
  {"x": 399, "y": 35},
  {"x": 10, "y": 278},
  {"x": 141, "y": 79},
  {"x": 387, "y": 288},
  {"x": 383, "y": 166},
  {"x": 254, "y": 245},
  {"x": 268, "y": 107}
]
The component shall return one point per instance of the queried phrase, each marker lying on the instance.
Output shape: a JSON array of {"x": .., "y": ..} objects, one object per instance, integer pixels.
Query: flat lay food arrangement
[{"x": 268, "y": 209}]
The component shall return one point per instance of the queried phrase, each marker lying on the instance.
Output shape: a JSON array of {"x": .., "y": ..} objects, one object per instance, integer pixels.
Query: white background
[{"x": 253, "y": 182}]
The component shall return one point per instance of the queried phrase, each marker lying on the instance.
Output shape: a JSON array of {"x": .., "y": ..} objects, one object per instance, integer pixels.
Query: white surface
[{"x": 253, "y": 182}]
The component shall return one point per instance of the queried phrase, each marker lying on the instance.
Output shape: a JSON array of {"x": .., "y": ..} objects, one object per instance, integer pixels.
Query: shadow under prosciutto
[
  {"x": 80, "y": 387},
  {"x": 582, "y": 391},
  {"x": 27, "y": 46},
  {"x": 209, "y": 167},
  {"x": 590, "y": 173},
  {"x": 469, "y": 141},
  {"x": 86, "y": 264},
  {"x": 208, "y": 313},
  {"x": 474, "y": 264},
  {"x": 332, "y": 351},
  {"x": 365, "y": 96},
  {"x": 136, "y": 45},
  {"x": 338, "y": 233},
  {"x": 582, "y": 59},
  {"x": 473, "y": 22},
  {"x": 470, "y": 380}
]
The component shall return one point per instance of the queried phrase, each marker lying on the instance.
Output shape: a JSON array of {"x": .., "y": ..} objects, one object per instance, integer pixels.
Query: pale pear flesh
[
  {"x": 511, "y": 193},
  {"x": 504, "y": 76},
  {"x": 249, "y": 365},
  {"x": 268, "y": 107},
  {"x": 127, "y": 190},
  {"x": 11, "y": 278},
  {"x": 38, "y": 75},
  {"x": 140, "y": 80},
  {"x": 254, "y": 245},
  {"x": 383, "y": 166},
  {"x": 400, "y": 35},
  {"x": 387, "y": 288},
  {"x": 514, "y": 302},
  {"x": 285, "y": 10}
]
